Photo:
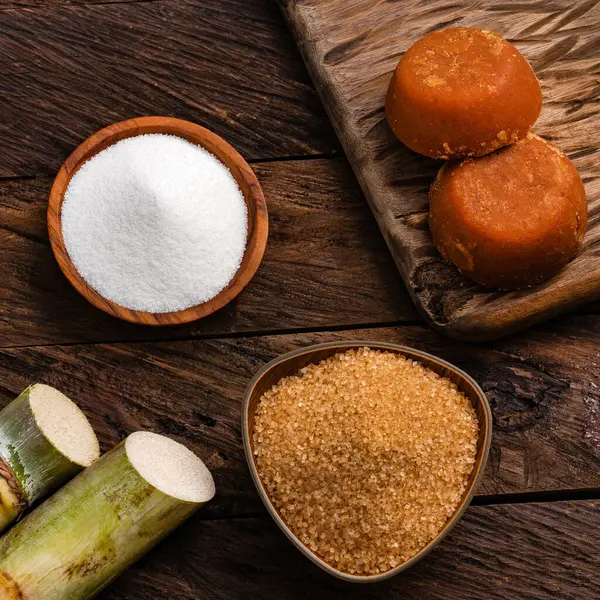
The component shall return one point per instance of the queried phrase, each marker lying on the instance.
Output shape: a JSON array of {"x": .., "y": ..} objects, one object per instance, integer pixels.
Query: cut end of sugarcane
[
  {"x": 170, "y": 467},
  {"x": 63, "y": 424}
]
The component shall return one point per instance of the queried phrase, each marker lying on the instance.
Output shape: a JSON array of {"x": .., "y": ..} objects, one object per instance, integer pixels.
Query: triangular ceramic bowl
[{"x": 291, "y": 363}]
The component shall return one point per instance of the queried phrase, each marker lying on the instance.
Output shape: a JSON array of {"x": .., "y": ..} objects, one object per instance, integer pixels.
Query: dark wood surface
[
  {"x": 351, "y": 48},
  {"x": 8, "y": 4},
  {"x": 69, "y": 69},
  {"x": 544, "y": 551},
  {"x": 325, "y": 265},
  {"x": 545, "y": 397}
]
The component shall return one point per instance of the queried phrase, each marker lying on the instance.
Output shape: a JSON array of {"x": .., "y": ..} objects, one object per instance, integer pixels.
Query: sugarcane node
[
  {"x": 12, "y": 482},
  {"x": 7, "y": 474},
  {"x": 9, "y": 588},
  {"x": 136, "y": 494}
]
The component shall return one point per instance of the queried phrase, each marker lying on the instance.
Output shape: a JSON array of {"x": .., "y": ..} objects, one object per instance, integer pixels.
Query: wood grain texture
[
  {"x": 325, "y": 265},
  {"x": 258, "y": 221},
  {"x": 227, "y": 65},
  {"x": 545, "y": 397},
  {"x": 11, "y": 4},
  {"x": 351, "y": 48},
  {"x": 524, "y": 551}
]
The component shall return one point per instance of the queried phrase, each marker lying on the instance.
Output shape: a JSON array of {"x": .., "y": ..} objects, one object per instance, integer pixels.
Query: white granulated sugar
[
  {"x": 155, "y": 223},
  {"x": 170, "y": 467}
]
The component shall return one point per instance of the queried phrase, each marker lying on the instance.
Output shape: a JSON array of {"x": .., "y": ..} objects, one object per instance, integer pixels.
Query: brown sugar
[{"x": 365, "y": 455}]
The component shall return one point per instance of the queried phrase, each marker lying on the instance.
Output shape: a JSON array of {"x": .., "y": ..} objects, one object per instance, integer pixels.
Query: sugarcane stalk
[
  {"x": 90, "y": 531},
  {"x": 31, "y": 464}
]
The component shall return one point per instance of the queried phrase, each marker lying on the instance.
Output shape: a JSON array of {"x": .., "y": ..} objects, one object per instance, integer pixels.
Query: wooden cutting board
[{"x": 351, "y": 48}]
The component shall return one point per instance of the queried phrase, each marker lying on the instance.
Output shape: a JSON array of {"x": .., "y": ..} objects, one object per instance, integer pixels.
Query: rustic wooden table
[{"x": 69, "y": 69}]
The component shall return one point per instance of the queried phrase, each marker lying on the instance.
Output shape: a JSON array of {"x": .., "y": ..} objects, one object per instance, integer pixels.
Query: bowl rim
[
  {"x": 224, "y": 152},
  {"x": 464, "y": 504}
]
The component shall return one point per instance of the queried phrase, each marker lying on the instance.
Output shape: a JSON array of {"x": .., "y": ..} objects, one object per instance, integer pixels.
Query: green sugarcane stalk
[
  {"x": 30, "y": 466},
  {"x": 88, "y": 533}
]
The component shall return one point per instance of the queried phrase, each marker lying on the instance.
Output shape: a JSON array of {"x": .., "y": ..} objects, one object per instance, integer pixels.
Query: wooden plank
[
  {"x": 545, "y": 397},
  {"x": 351, "y": 48},
  {"x": 229, "y": 65},
  {"x": 9, "y": 4},
  {"x": 532, "y": 551},
  {"x": 325, "y": 265}
]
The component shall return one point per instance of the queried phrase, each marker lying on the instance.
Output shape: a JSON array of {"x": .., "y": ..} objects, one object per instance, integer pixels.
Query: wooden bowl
[
  {"x": 243, "y": 174},
  {"x": 291, "y": 363}
]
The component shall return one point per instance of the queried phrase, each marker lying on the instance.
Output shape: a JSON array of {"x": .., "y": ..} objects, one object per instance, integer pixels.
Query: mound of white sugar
[{"x": 155, "y": 223}]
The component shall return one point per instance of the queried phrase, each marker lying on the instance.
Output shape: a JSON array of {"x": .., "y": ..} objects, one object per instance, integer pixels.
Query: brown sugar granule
[{"x": 365, "y": 455}]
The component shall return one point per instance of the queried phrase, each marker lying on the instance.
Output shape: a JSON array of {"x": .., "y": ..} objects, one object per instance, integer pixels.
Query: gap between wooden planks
[
  {"x": 545, "y": 397},
  {"x": 29, "y": 4},
  {"x": 552, "y": 547},
  {"x": 229, "y": 65},
  {"x": 326, "y": 265},
  {"x": 351, "y": 48},
  {"x": 528, "y": 551},
  {"x": 545, "y": 403}
]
